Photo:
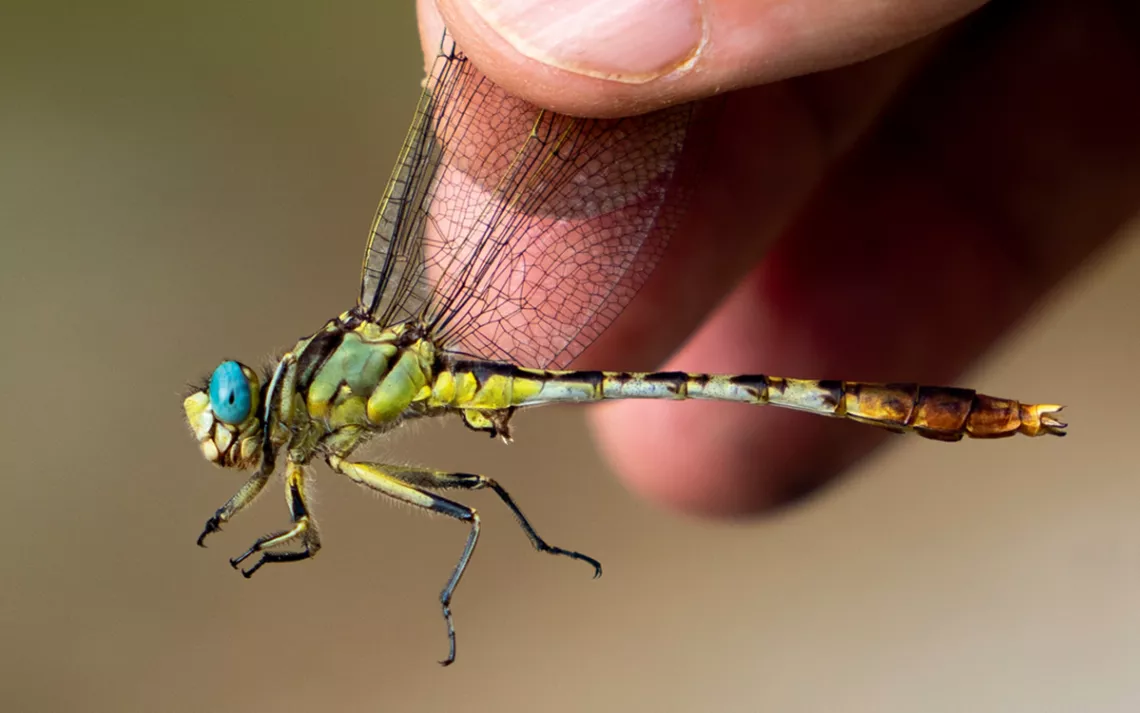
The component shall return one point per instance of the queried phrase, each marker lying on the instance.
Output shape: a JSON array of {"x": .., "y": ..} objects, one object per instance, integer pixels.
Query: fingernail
[{"x": 630, "y": 41}]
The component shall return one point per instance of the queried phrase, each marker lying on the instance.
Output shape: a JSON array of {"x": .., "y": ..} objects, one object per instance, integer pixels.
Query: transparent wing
[
  {"x": 518, "y": 234},
  {"x": 393, "y": 281}
]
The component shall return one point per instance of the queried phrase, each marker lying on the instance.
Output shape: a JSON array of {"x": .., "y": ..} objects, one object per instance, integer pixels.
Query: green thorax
[{"x": 355, "y": 374}]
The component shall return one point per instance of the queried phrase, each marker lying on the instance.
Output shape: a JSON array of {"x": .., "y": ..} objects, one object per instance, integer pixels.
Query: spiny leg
[
  {"x": 441, "y": 480},
  {"x": 241, "y": 499},
  {"x": 382, "y": 479},
  {"x": 303, "y": 527}
]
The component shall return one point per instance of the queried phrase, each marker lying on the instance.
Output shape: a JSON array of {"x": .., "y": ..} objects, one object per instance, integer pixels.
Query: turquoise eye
[{"x": 229, "y": 393}]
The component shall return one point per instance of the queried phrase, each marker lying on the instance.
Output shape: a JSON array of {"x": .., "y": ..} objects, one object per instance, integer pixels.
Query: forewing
[
  {"x": 393, "y": 281},
  {"x": 535, "y": 229}
]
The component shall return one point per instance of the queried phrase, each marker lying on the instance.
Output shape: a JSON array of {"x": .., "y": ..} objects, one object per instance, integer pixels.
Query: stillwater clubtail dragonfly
[{"x": 507, "y": 240}]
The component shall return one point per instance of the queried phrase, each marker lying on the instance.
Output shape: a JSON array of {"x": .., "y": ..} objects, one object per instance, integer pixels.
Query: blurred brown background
[{"x": 182, "y": 184}]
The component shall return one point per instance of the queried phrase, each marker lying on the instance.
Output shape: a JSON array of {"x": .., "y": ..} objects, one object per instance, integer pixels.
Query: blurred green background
[{"x": 185, "y": 183}]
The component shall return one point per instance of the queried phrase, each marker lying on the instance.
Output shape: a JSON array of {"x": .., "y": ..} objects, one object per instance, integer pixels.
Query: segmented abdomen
[{"x": 938, "y": 412}]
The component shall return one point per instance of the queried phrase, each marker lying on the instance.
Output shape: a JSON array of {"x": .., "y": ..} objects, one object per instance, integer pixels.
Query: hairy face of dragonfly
[{"x": 225, "y": 417}]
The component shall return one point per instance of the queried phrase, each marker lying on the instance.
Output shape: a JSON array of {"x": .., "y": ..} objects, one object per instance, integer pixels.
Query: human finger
[
  {"x": 1001, "y": 172},
  {"x": 622, "y": 57}
]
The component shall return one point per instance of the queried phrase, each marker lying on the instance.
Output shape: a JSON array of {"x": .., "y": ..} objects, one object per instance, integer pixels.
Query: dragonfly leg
[
  {"x": 440, "y": 480},
  {"x": 241, "y": 499},
  {"x": 304, "y": 528},
  {"x": 385, "y": 479}
]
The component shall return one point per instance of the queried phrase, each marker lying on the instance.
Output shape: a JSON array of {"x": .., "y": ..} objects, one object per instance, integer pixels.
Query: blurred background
[{"x": 185, "y": 183}]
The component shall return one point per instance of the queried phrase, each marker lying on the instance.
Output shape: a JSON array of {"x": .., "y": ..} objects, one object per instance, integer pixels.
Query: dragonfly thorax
[{"x": 355, "y": 373}]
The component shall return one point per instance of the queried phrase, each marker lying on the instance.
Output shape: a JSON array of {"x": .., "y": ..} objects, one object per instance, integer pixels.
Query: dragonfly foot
[
  {"x": 543, "y": 547},
  {"x": 594, "y": 563},
  {"x": 310, "y": 546},
  {"x": 235, "y": 562},
  {"x": 445, "y": 600},
  {"x": 213, "y": 525},
  {"x": 247, "y": 573}
]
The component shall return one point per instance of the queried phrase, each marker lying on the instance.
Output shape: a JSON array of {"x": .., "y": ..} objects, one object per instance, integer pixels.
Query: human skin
[{"x": 891, "y": 186}]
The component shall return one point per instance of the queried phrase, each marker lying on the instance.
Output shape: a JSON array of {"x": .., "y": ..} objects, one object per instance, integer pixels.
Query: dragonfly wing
[
  {"x": 534, "y": 229},
  {"x": 393, "y": 282}
]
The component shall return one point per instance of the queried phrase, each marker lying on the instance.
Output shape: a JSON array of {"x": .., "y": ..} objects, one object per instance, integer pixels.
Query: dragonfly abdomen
[{"x": 941, "y": 413}]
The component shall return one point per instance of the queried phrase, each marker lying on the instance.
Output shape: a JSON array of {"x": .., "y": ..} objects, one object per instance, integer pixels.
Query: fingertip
[
  {"x": 431, "y": 28},
  {"x": 606, "y": 58},
  {"x": 555, "y": 74}
]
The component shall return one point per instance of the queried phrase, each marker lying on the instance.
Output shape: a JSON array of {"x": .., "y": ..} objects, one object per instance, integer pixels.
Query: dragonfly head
[{"x": 225, "y": 416}]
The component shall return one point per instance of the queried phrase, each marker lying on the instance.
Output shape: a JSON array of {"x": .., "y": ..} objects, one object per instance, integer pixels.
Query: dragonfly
[{"x": 507, "y": 240}]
